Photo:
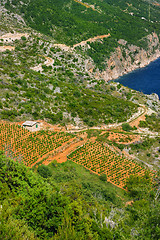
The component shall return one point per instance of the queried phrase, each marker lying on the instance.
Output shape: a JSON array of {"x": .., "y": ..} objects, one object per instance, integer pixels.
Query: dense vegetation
[
  {"x": 151, "y": 122},
  {"x": 70, "y": 22},
  {"x": 59, "y": 94},
  {"x": 67, "y": 202}
]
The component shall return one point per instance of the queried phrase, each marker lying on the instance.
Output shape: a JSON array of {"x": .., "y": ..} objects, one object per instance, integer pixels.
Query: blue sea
[{"x": 146, "y": 80}]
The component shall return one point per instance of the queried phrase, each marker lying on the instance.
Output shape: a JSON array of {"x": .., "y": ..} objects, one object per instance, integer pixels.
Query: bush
[
  {"x": 23, "y": 38},
  {"x": 143, "y": 124},
  {"x": 126, "y": 127},
  {"x": 44, "y": 171},
  {"x": 103, "y": 177}
]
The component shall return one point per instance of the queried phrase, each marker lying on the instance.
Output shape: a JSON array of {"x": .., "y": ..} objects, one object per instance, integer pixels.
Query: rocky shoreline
[{"x": 126, "y": 59}]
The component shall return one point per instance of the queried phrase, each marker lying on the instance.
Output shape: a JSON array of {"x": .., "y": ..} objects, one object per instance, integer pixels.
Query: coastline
[
  {"x": 139, "y": 67},
  {"x": 126, "y": 59},
  {"x": 108, "y": 75},
  {"x": 146, "y": 79}
]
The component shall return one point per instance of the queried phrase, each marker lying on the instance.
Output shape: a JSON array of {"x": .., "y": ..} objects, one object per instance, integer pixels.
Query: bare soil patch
[
  {"x": 4, "y": 48},
  {"x": 62, "y": 157},
  {"x": 137, "y": 121},
  {"x": 9, "y": 37},
  {"x": 129, "y": 203},
  {"x": 91, "y": 40},
  {"x": 49, "y": 62},
  {"x": 122, "y": 138},
  {"x": 83, "y": 43}
]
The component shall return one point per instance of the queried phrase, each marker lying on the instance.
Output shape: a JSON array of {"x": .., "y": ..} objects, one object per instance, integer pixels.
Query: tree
[{"x": 44, "y": 171}]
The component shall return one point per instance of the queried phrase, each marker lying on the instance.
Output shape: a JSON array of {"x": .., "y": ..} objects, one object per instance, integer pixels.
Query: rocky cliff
[{"x": 127, "y": 58}]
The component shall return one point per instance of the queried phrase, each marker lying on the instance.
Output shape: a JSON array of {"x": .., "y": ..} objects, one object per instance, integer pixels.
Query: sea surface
[{"x": 146, "y": 80}]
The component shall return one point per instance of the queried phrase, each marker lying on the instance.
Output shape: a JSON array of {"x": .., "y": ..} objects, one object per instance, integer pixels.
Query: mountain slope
[
  {"x": 60, "y": 91},
  {"x": 70, "y": 22}
]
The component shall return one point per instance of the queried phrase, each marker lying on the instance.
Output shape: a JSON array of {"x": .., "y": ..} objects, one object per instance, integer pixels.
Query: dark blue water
[{"x": 146, "y": 80}]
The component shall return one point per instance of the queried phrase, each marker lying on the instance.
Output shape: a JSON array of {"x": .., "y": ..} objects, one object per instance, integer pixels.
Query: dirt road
[{"x": 83, "y": 43}]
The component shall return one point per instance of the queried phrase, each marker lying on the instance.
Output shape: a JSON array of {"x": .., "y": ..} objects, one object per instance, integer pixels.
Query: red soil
[
  {"x": 52, "y": 152},
  {"x": 32, "y": 147},
  {"x": 137, "y": 121},
  {"x": 99, "y": 159},
  {"x": 62, "y": 156},
  {"x": 123, "y": 138}
]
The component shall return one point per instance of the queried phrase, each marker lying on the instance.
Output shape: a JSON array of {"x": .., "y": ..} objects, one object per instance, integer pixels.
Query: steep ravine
[{"x": 127, "y": 58}]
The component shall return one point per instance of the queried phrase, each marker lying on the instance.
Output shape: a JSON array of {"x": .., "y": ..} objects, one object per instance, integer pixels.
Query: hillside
[
  {"x": 90, "y": 168},
  {"x": 71, "y": 22},
  {"x": 45, "y": 80},
  {"x": 67, "y": 202},
  {"x": 132, "y": 31},
  {"x": 41, "y": 81}
]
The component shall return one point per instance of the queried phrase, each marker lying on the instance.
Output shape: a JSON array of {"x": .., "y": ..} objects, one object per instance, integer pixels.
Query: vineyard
[
  {"x": 102, "y": 160},
  {"x": 30, "y": 147},
  {"x": 33, "y": 147}
]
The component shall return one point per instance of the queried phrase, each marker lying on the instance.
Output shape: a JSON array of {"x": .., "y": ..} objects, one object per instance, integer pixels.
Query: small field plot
[
  {"x": 123, "y": 138},
  {"x": 9, "y": 133},
  {"x": 102, "y": 160},
  {"x": 17, "y": 141}
]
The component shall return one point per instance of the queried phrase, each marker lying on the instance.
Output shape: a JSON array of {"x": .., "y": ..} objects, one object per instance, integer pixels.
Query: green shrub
[
  {"x": 23, "y": 38},
  {"x": 44, "y": 171},
  {"x": 103, "y": 177},
  {"x": 126, "y": 127}
]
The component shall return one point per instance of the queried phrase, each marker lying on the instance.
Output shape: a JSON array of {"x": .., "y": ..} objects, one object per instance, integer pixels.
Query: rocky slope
[
  {"x": 112, "y": 41},
  {"x": 127, "y": 58}
]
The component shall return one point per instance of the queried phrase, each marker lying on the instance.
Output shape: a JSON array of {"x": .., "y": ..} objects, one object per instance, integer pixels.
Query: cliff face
[{"x": 127, "y": 58}]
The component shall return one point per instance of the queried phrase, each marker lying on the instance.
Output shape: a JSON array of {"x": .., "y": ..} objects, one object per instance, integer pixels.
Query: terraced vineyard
[
  {"x": 33, "y": 147},
  {"x": 18, "y": 141},
  {"x": 102, "y": 160}
]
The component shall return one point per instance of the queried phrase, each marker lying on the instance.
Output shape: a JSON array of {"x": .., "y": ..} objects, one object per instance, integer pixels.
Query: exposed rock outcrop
[{"x": 127, "y": 58}]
